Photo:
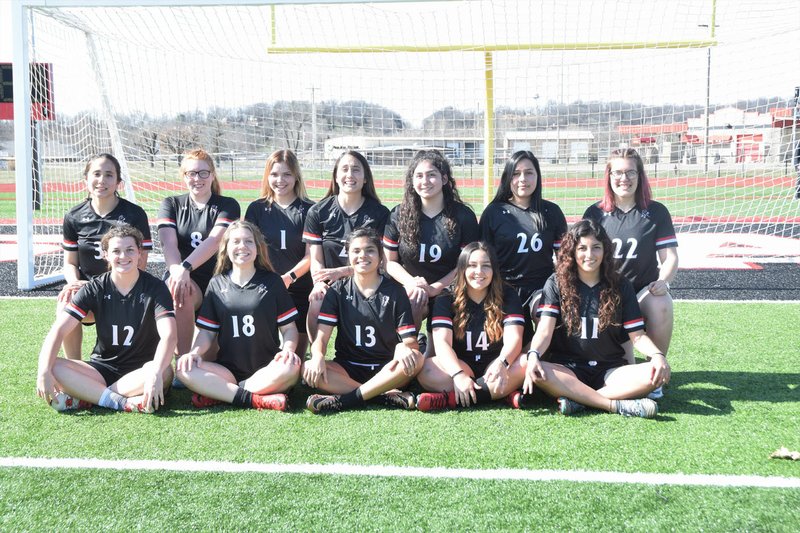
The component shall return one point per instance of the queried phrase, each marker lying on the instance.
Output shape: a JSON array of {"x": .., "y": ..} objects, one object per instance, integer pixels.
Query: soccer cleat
[
  {"x": 203, "y": 402},
  {"x": 643, "y": 407},
  {"x": 137, "y": 407},
  {"x": 432, "y": 401},
  {"x": 64, "y": 402},
  {"x": 272, "y": 402},
  {"x": 514, "y": 399},
  {"x": 569, "y": 407},
  {"x": 403, "y": 400},
  {"x": 320, "y": 403}
]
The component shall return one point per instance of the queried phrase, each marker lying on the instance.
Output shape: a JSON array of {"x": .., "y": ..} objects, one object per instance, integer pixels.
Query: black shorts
[
  {"x": 300, "y": 300},
  {"x": 111, "y": 373},
  {"x": 591, "y": 373},
  {"x": 360, "y": 372},
  {"x": 239, "y": 374},
  {"x": 478, "y": 367}
]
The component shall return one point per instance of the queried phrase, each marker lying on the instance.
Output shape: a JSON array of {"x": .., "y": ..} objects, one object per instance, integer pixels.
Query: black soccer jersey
[
  {"x": 246, "y": 319},
  {"x": 637, "y": 236},
  {"x": 193, "y": 225},
  {"x": 283, "y": 231},
  {"x": 524, "y": 250},
  {"x": 127, "y": 335},
  {"x": 437, "y": 253},
  {"x": 475, "y": 348},
  {"x": 368, "y": 329},
  {"x": 84, "y": 228},
  {"x": 329, "y": 226},
  {"x": 590, "y": 344}
]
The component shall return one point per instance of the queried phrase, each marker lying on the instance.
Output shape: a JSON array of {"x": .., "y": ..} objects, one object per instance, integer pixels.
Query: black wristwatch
[
  {"x": 187, "y": 265},
  {"x": 293, "y": 276}
]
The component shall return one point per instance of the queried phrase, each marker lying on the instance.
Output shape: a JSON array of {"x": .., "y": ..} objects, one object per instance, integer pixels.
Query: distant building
[
  {"x": 553, "y": 146},
  {"x": 734, "y": 136},
  {"x": 399, "y": 150}
]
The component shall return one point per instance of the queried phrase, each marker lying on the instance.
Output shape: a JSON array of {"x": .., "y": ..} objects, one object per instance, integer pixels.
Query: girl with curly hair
[
  {"x": 587, "y": 312},
  {"x": 426, "y": 232},
  {"x": 477, "y": 333},
  {"x": 644, "y": 240}
]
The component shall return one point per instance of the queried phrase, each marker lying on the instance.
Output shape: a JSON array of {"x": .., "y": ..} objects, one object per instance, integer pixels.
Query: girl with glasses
[
  {"x": 643, "y": 240},
  {"x": 190, "y": 227}
]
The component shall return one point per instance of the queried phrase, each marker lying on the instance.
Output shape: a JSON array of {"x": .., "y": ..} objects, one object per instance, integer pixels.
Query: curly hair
[
  {"x": 492, "y": 304},
  {"x": 567, "y": 277},
  {"x": 504, "y": 193},
  {"x": 120, "y": 231},
  {"x": 224, "y": 263},
  {"x": 410, "y": 209}
]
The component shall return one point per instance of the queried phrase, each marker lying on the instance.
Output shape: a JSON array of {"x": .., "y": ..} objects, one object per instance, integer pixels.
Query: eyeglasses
[
  {"x": 202, "y": 174},
  {"x": 630, "y": 174}
]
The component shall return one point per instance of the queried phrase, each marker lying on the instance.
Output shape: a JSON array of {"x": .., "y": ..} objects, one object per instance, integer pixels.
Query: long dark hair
[
  {"x": 504, "y": 193},
  {"x": 567, "y": 277},
  {"x": 410, "y": 211},
  {"x": 492, "y": 304},
  {"x": 367, "y": 190}
]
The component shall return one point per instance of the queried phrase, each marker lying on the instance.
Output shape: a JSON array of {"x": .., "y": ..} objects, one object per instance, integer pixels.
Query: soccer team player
[{"x": 259, "y": 290}]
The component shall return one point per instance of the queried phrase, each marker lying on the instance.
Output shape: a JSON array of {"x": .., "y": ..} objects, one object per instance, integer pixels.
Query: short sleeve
[
  {"x": 329, "y": 312},
  {"x": 312, "y": 229},
  {"x": 391, "y": 235},
  {"x": 167, "y": 214},
  {"x": 631, "y": 314},
  {"x": 229, "y": 210},
  {"x": 442, "y": 316},
  {"x": 550, "y": 304}
]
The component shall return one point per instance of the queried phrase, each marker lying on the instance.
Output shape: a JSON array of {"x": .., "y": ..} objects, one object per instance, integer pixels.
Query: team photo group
[{"x": 432, "y": 308}]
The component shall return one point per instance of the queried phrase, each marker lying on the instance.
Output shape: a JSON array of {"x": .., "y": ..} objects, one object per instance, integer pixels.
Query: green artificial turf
[{"x": 734, "y": 398}]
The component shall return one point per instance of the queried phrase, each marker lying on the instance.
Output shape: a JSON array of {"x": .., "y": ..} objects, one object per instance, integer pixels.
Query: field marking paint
[{"x": 703, "y": 480}]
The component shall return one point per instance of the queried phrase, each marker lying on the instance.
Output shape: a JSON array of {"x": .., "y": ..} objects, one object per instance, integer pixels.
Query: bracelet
[
  {"x": 457, "y": 373},
  {"x": 658, "y": 353},
  {"x": 528, "y": 355}
]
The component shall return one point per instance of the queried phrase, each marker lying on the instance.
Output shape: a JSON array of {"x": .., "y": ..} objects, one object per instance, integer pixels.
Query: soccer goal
[{"x": 703, "y": 89}]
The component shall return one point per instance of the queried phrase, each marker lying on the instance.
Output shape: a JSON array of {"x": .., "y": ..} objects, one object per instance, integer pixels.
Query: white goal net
[{"x": 703, "y": 89}]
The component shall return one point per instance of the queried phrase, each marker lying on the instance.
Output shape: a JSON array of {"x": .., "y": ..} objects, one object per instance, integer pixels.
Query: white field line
[{"x": 703, "y": 480}]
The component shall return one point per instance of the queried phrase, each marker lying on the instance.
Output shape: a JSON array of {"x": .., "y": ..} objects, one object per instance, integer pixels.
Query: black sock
[
  {"x": 525, "y": 400},
  {"x": 243, "y": 398},
  {"x": 352, "y": 399},
  {"x": 482, "y": 396}
]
